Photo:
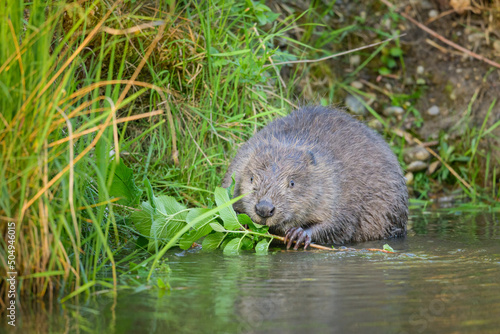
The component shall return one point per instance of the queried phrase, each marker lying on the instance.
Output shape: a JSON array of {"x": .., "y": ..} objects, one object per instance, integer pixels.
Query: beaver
[{"x": 318, "y": 175}]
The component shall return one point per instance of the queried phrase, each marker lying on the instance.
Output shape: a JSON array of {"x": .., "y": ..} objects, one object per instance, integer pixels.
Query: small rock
[
  {"x": 460, "y": 5},
  {"x": 453, "y": 95},
  {"x": 420, "y": 70},
  {"x": 393, "y": 110},
  {"x": 426, "y": 4},
  {"x": 375, "y": 125},
  {"x": 496, "y": 45},
  {"x": 433, "y": 13},
  {"x": 415, "y": 153},
  {"x": 409, "y": 81},
  {"x": 476, "y": 37},
  {"x": 409, "y": 178},
  {"x": 354, "y": 105},
  {"x": 433, "y": 111},
  {"x": 433, "y": 167},
  {"x": 417, "y": 166},
  {"x": 357, "y": 84},
  {"x": 387, "y": 23},
  {"x": 354, "y": 60}
]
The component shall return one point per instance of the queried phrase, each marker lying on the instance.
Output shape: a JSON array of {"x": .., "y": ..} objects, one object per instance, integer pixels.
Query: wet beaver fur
[{"x": 318, "y": 175}]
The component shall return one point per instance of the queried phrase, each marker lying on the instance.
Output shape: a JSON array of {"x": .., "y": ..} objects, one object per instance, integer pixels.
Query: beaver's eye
[
  {"x": 251, "y": 179},
  {"x": 292, "y": 183}
]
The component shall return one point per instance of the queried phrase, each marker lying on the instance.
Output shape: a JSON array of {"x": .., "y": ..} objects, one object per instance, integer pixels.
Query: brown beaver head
[{"x": 282, "y": 185}]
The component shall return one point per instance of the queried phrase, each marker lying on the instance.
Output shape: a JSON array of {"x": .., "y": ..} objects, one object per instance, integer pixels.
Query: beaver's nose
[{"x": 264, "y": 209}]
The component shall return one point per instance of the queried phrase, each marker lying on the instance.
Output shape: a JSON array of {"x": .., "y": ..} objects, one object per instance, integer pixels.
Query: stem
[{"x": 269, "y": 235}]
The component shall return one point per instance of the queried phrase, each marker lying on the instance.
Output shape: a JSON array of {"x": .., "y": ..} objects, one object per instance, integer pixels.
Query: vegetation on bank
[{"x": 109, "y": 108}]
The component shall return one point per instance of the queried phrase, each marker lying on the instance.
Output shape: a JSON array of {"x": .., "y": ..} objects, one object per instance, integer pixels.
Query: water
[{"x": 449, "y": 283}]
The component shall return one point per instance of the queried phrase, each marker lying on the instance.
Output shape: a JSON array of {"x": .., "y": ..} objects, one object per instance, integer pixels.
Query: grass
[{"x": 170, "y": 90}]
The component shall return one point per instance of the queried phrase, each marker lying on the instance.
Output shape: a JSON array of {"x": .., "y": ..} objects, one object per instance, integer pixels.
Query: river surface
[{"x": 447, "y": 280}]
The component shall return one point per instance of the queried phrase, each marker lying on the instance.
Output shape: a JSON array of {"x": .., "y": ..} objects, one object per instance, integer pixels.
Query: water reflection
[{"x": 449, "y": 283}]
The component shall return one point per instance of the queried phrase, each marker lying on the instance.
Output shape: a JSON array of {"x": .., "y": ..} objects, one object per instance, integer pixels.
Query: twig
[
  {"x": 133, "y": 29},
  {"x": 335, "y": 55},
  {"x": 441, "y": 38},
  {"x": 339, "y": 249}
]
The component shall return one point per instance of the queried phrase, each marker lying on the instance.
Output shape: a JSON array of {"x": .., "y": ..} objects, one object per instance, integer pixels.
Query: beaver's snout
[{"x": 265, "y": 209}]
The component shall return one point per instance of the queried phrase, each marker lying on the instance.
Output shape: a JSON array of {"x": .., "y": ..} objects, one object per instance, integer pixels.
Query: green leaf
[
  {"x": 124, "y": 187},
  {"x": 246, "y": 243},
  {"x": 158, "y": 256},
  {"x": 212, "y": 241},
  {"x": 384, "y": 71},
  {"x": 199, "y": 229},
  {"x": 245, "y": 220},
  {"x": 230, "y": 189},
  {"x": 192, "y": 236},
  {"x": 388, "y": 248},
  {"x": 161, "y": 285},
  {"x": 396, "y": 52},
  {"x": 261, "y": 17},
  {"x": 162, "y": 223},
  {"x": 217, "y": 227},
  {"x": 233, "y": 247},
  {"x": 144, "y": 218},
  {"x": 141, "y": 242},
  {"x": 168, "y": 206},
  {"x": 149, "y": 191},
  {"x": 262, "y": 247},
  {"x": 391, "y": 63},
  {"x": 227, "y": 214}
]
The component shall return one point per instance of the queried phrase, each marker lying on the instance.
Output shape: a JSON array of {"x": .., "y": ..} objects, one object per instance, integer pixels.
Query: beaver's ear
[{"x": 310, "y": 157}]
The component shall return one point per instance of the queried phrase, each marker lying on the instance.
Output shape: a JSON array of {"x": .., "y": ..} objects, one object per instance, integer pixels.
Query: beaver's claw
[{"x": 299, "y": 235}]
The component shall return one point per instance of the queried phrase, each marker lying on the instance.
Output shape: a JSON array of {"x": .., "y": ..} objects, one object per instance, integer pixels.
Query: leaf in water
[
  {"x": 227, "y": 214},
  {"x": 233, "y": 247},
  {"x": 124, "y": 187},
  {"x": 262, "y": 247},
  {"x": 388, "y": 248},
  {"x": 160, "y": 283},
  {"x": 217, "y": 227},
  {"x": 212, "y": 241}
]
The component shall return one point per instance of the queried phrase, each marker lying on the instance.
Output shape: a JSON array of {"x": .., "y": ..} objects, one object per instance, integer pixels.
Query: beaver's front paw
[{"x": 299, "y": 235}]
